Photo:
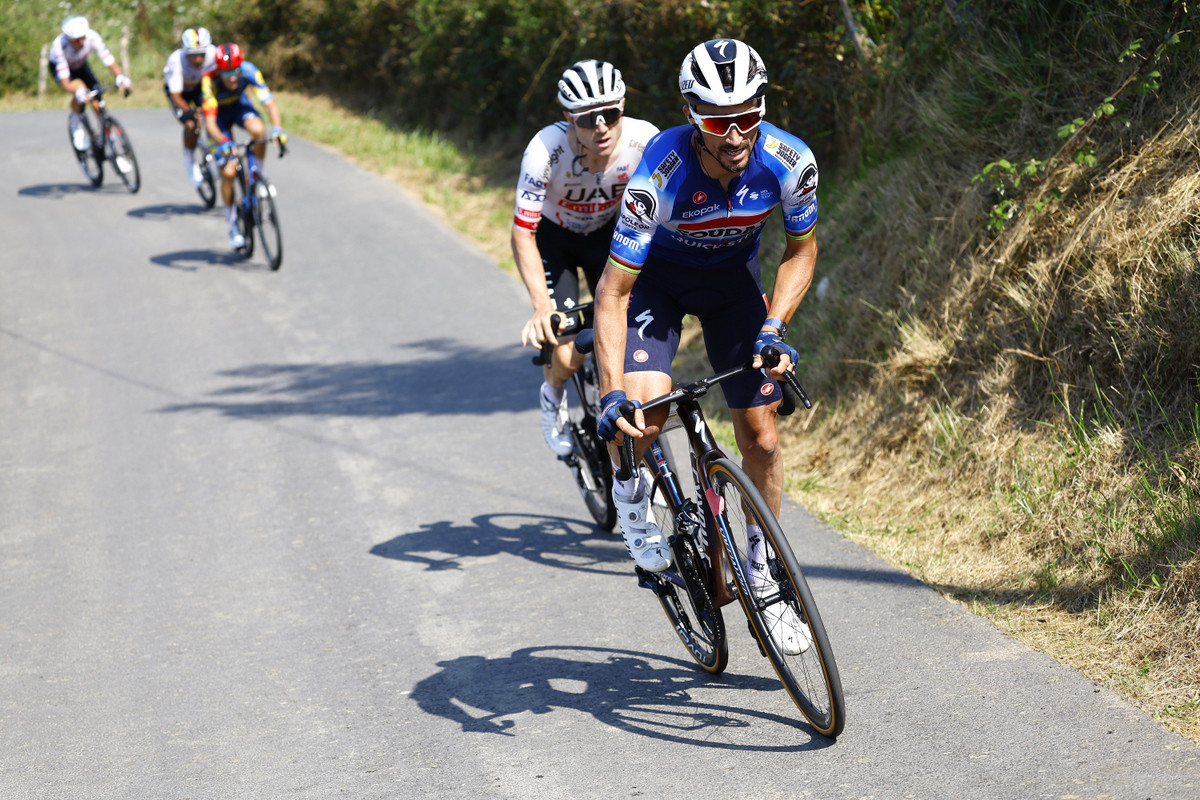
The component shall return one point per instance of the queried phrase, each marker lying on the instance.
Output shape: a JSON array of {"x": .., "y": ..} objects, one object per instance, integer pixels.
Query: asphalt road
[{"x": 295, "y": 534}]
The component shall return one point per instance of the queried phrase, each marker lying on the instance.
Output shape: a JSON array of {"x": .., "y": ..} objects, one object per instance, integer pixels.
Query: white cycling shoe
[
  {"x": 554, "y": 423},
  {"x": 195, "y": 176},
  {"x": 236, "y": 240},
  {"x": 644, "y": 541}
]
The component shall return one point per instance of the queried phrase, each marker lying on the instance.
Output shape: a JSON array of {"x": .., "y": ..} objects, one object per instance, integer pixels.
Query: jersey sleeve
[
  {"x": 62, "y": 70},
  {"x": 798, "y": 186},
  {"x": 173, "y": 72},
  {"x": 531, "y": 187},
  {"x": 208, "y": 95},
  {"x": 106, "y": 58},
  {"x": 257, "y": 82},
  {"x": 645, "y": 203}
]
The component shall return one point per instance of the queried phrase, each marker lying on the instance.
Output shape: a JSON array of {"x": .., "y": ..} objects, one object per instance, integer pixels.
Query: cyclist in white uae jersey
[
  {"x": 572, "y": 176},
  {"x": 688, "y": 235},
  {"x": 181, "y": 83},
  {"x": 68, "y": 61}
]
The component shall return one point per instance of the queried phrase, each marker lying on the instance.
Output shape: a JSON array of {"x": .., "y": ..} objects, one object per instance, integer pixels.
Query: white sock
[
  {"x": 189, "y": 160},
  {"x": 231, "y": 215},
  {"x": 628, "y": 488},
  {"x": 74, "y": 120},
  {"x": 552, "y": 394},
  {"x": 758, "y": 548}
]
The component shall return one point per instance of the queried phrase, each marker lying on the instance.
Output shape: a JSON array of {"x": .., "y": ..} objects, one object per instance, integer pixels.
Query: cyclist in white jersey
[
  {"x": 572, "y": 176},
  {"x": 68, "y": 61},
  {"x": 181, "y": 83},
  {"x": 688, "y": 235}
]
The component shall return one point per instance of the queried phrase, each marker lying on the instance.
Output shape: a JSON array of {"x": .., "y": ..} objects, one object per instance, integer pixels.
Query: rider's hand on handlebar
[
  {"x": 611, "y": 422},
  {"x": 771, "y": 338},
  {"x": 540, "y": 328},
  {"x": 225, "y": 151},
  {"x": 123, "y": 82},
  {"x": 279, "y": 136},
  {"x": 82, "y": 95}
]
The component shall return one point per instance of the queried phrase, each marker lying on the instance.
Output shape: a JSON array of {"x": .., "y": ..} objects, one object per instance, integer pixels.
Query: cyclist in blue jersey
[
  {"x": 687, "y": 243},
  {"x": 224, "y": 103}
]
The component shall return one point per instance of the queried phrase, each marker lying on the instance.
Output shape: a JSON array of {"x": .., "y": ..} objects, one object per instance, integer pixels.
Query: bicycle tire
[
  {"x": 593, "y": 473},
  {"x": 245, "y": 220},
  {"x": 697, "y": 621},
  {"x": 208, "y": 184},
  {"x": 810, "y": 677},
  {"x": 120, "y": 152},
  {"x": 266, "y": 220},
  {"x": 91, "y": 163}
]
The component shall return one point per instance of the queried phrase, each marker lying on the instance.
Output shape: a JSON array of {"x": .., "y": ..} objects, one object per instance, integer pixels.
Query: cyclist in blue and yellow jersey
[
  {"x": 184, "y": 69},
  {"x": 572, "y": 175},
  {"x": 688, "y": 237},
  {"x": 224, "y": 102},
  {"x": 68, "y": 61}
]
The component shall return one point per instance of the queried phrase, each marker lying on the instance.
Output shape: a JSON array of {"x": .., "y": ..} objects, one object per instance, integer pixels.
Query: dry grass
[{"x": 1027, "y": 439}]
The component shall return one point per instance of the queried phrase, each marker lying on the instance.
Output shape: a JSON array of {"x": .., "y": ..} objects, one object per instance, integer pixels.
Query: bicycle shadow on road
[
  {"x": 379, "y": 389},
  {"x": 551, "y": 541},
  {"x": 192, "y": 260},
  {"x": 658, "y": 697},
  {"x": 165, "y": 212},
  {"x": 57, "y": 191}
]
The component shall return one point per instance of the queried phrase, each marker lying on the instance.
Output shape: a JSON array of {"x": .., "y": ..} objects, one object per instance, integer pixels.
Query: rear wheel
[
  {"x": 266, "y": 219},
  {"x": 778, "y": 603},
  {"x": 91, "y": 161},
  {"x": 682, "y": 589},
  {"x": 120, "y": 153}
]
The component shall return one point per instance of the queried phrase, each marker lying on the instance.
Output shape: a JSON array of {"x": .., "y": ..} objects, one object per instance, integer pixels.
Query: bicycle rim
[
  {"x": 266, "y": 219},
  {"x": 593, "y": 473},
  {"x": 810, "y": 677},
  {"x": 120, "y": 152},
  {"x": 682, "y": 592}
]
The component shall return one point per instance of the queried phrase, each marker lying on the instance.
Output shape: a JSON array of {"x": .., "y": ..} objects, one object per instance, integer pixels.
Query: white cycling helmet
[
  {"x": 590, "y": 83},
  {"x": 722, "y": 72},
  {"x": 75, "y": 27},
  {"x": 196, "y": 40}
]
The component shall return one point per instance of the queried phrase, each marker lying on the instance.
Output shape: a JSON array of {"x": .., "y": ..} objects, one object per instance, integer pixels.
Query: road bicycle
[
  {"x": 113, "y": 146},
  {"x": 254, "y": 197},
  {"x": 588, "y": 459},
  {"x": 710, "y": 526}
]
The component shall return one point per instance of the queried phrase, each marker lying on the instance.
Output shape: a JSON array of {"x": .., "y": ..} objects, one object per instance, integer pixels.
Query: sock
[
  {"x": 189, "y": 160},
  {"x": 552, "y": 394},
  {"x": 629, "y": 488},
  {"x": 758, "y": 549},
  {"x": 231, "y": 215}
]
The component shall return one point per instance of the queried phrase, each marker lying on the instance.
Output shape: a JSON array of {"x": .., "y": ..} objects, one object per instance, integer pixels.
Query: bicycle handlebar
[
  {"x": 573, "y": 321},
  {"x": 792, "y": 391},
  {"x": 267, "y": 140},
  {"x": 99, "y": 90}
]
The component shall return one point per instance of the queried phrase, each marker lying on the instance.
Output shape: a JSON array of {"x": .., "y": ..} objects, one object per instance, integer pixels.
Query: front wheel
[
  {"x": 91, "y": 159},
  {"x": 266, "y": 219},
  {"x": 244, "y": 218},
  {"x": 593, "y": 473},
  {"x": 120, "y": 153},
  {"x": 775, "y": 596}
]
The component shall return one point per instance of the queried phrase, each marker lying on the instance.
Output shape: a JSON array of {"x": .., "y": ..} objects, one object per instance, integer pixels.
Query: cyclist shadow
[
  {"x": 167, "y": 211},
  {"x": 57, "y": 191},
  {"x": 193, "y": 260},
  {"x": 551, "y": 541},
  {"x": 650, "y": 695}
]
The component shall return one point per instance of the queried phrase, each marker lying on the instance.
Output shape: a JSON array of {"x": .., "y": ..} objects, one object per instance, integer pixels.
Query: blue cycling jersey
[{"x": 672, "y": 210}]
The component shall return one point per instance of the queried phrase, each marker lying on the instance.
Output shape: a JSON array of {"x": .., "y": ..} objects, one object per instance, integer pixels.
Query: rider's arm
[
  {"x": 611, "y": 327},
  {"x": 792, "y": 281},
  {"x": 533, "y": 274},
  {"x": 273, "y": 113}
]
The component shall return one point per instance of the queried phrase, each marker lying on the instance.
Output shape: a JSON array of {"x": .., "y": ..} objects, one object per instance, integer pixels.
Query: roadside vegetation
[{"x": 1004, "y": 344}]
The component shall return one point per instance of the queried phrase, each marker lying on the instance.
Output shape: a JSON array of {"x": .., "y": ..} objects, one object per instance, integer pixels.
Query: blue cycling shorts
[
  {"x": 234, "y": 114},
  {"x": 731, "y": 307}
]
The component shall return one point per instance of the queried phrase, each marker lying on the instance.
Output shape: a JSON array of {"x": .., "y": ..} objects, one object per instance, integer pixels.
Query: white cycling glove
[
  {"x": 81, "y": 94},
  {"x": 123, "y": 82}
]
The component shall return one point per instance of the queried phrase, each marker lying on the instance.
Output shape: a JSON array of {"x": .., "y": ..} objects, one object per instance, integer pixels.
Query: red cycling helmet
[{"x": 229, "y": 56}]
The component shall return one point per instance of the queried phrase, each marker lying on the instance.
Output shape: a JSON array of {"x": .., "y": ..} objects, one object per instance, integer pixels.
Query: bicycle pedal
[{"x": 647, "y": 580}]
